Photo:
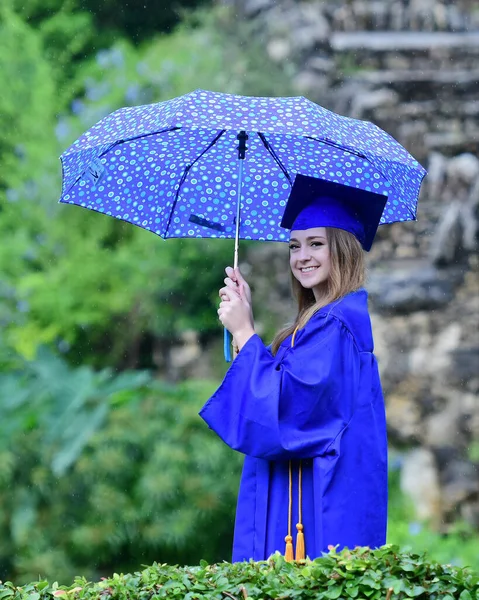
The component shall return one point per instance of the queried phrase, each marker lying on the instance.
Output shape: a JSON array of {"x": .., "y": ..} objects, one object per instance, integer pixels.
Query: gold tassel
[
  {"x": 288, "y": 553},
  {"x": 300, "y": 550}
]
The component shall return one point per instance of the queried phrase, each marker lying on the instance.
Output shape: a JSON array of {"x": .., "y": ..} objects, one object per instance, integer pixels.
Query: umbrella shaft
[{"x": 238, "y": 211}]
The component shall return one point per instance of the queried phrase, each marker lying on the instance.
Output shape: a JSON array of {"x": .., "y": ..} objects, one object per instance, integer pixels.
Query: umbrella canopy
[{"x": 172, "y": 167}]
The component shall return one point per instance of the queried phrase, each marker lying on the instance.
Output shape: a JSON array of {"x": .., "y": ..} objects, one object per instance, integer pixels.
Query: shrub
[
  {"x": 102, "y": 471},
  {"x": 362, "y": 573}
]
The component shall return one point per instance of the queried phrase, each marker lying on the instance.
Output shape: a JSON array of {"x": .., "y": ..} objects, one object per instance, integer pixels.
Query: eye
[
  {"x": 317, "y": 243},
  {"x": 293, "y": 246}
]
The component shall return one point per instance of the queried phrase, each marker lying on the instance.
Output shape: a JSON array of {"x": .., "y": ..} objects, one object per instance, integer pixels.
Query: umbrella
[{"x": 216, "y": 165}]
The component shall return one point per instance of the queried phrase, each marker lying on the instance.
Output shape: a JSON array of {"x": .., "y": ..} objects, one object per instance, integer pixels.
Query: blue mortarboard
[{"x": 316, "y": 202}]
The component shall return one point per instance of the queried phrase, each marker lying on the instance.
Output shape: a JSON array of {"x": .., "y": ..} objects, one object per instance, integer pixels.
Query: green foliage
[
  {"x": 473, "y": 452},
  {"x": 459, "y": 546},
  {"x": 100, "y": 471},
  {"x": 110, "y": 18},
  {"x": 379, "y": 574},
  {"x": 65, "y": 405},
  {"x": 92, "y": 464},
  {"x": 26, "y": 102}
]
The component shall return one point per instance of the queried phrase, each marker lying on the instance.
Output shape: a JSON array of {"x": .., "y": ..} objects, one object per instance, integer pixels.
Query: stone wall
[{"x": 412, "y": 67}]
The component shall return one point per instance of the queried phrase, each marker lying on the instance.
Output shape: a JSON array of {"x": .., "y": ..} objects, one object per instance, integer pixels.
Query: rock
[
  {"x": 253, "y": 7},
  {"x": 188, "y": 352},
  {"x": 432, "y": 354},
  {"x": 460, "y": 482},
  {"x": 403, "y": 418},
  {"x": 456, "y": 233},
  {"x": 465, "y": 366},
  {"x": 463, "y": 169},
  {"x": 314, "y": 30},
  {"x": 278, "y": 49},
  {"x": 367, "y": 101},
  {"x": 410, "y": 290},
  {"x": 420, "y": 481},
  {"x": 442, "y": 427},
  {"x": 308, "y": 83},
  {"x": 321, "y": 64},
  {"x": 447, "y": 247},
  {"x": 436, "y": 173}
]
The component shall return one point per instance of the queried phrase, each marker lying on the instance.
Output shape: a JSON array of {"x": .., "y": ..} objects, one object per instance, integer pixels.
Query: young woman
[{"x": 308, "y": 411}]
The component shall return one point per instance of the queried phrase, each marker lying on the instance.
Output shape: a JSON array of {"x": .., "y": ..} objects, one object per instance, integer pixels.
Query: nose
[{"x": 304, "y": 253}]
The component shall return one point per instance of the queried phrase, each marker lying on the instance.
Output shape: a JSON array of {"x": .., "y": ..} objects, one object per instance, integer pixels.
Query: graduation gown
[{"x": 320, "y": 402}]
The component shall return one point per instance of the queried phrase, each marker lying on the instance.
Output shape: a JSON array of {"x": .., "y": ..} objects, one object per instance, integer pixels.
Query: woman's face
[{"x": 309, "y": 258}]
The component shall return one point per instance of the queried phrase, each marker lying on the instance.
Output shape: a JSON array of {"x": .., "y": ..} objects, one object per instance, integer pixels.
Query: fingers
[
  {"x": 230, "y": 283},
  {"x": 224, "y": 309},
  {"x": 222, "y": 305},
  {"x": 222, "y": 294},
  {"x": 235, "y": 275},
  {"x": 236, "y": 287},
  {"x": 227, "y": 294}
]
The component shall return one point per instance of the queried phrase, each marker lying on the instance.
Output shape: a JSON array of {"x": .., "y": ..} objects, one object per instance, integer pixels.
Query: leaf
[
  {"x": 334, "y": 592},
  {"x": 87, "y": 425},
  {"x": 417, "y": 590},
  {"x": 352, "y": 591}
]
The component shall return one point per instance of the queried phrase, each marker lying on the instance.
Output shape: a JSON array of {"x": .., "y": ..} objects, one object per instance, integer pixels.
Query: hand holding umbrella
[
  {"x": 235, "y": 311},
  {"x": 235, "y": 280}
]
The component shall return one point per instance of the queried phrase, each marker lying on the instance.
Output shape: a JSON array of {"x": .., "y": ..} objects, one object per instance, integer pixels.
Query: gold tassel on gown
[
  {"x": 300, "y": 546},
  {"x": 288, "y": 553}
]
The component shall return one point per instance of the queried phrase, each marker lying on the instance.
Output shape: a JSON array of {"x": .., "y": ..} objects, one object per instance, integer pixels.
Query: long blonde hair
[{"x": 347, "y": 274}]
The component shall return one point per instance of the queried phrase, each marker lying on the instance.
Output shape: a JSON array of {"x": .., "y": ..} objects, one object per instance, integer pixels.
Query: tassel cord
[
  {"x": 289, "y": 553},
  {"x": 300, "y": 543}
]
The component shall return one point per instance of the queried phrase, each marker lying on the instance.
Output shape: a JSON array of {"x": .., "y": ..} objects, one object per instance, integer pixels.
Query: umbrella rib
[
  {"x": 348, "y": 149},
  {"x": 269, "y": 148},
  {"x": 185, "y": 173},
  {"x": 338, "y": 146},
  {"x": 412, "y": 213},
  {"x": 118, "y": 143},
  {"x": 140, "y": 136}
]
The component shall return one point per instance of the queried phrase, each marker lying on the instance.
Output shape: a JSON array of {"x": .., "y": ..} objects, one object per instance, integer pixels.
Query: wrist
[{"x": 242, "y": 336}]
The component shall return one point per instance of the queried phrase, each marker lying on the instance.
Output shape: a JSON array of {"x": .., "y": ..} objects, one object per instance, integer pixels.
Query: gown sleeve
[{"x": 290, "y": 407}]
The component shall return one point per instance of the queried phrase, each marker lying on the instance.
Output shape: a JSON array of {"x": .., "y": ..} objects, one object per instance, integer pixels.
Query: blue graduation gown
[{"x": 319, "y": 402}]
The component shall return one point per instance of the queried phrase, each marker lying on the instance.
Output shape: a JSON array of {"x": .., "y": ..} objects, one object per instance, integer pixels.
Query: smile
[{"x": 308, "y": 269}]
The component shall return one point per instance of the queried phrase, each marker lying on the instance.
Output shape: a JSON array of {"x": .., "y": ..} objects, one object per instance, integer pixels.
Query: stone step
[
  {"x": 397, "y": 41},
  {"x": 422, "y": 83},
  {"x": 420, "y": 16}
]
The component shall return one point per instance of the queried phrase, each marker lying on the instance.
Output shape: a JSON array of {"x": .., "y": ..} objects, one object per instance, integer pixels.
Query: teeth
[{"x": 308, "y": 269}]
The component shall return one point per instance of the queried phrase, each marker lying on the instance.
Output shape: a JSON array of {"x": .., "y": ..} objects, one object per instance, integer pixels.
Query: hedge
[{"x": 385, "y": 574}]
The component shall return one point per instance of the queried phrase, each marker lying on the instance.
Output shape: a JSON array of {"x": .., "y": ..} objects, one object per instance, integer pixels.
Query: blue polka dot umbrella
[{"x": 216, "y": 165}]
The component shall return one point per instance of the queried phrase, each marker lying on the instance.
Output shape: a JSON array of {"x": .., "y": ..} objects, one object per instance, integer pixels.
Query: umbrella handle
[{"x": 227, "y": 345}]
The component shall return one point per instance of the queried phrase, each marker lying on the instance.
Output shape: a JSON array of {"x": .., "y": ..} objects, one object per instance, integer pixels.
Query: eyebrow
[{"x": 309, "y": 238}]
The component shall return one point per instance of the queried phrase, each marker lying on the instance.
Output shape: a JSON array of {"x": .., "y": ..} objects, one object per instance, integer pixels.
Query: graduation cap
[{"x": 317, "y": 202}]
